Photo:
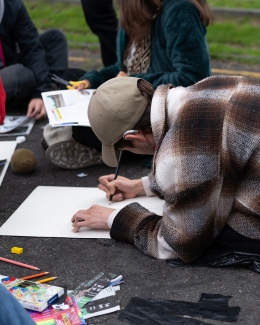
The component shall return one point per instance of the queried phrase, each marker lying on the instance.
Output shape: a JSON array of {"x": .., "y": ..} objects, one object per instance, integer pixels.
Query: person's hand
[
  {"x": 122, "y": 74},
  {"x": 36, "y": 109},
  {"x": 94, "y": 217},
  {"x": 121, "y": 188},
  {"x": 80, "y": 85}
]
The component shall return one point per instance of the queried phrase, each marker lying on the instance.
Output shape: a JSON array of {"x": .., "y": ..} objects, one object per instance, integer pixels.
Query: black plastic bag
[
  {"x": 161, "y": 319},
  {"x": 210, "y": 301},
  {"x": 148, "y": 310},
  {"x": 219, "y": 256},
  {"x": 139, "y": 313}
]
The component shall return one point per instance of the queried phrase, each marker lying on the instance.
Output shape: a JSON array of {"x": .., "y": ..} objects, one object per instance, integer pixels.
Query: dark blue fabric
[{"x": 11, "y": 312}]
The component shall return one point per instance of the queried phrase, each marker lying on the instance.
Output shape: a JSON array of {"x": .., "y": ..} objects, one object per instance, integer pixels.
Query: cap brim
[{"x": 109, "y": 155}]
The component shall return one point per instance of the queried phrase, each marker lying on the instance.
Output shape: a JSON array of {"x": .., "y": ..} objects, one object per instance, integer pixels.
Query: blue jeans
[{"x": 11, "y": 312}]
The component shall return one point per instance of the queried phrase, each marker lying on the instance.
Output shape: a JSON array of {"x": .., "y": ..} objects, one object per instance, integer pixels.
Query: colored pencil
[
  {"x": 47, "y": 279},
  {"x": 116, "y": 174},
  {"x": 18, "y": 263},
  {"x": 36, "y": 275}
]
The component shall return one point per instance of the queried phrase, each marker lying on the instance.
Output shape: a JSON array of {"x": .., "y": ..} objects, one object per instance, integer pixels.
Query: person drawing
[
  {"x": 159, "y": 41},
  {"x": 205, "y": 142},
  {"x": 27, "y": 59}
]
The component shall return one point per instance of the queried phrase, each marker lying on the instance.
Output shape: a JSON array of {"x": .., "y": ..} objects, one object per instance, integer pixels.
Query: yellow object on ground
[{"x": 17, "y": 250}]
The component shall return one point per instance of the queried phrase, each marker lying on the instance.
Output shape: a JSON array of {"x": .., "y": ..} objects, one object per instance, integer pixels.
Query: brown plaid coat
[{"x": 206, "y": 167}]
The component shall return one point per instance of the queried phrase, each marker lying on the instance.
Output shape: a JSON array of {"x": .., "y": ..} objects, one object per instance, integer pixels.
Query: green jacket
[{"x": 179, "y": 51}]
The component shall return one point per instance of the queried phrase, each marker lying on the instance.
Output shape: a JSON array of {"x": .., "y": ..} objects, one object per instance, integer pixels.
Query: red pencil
[{"x": 18, "y": 263}]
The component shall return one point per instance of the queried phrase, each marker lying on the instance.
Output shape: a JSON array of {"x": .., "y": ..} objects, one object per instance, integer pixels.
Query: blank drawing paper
[
  {"x": 48, "y": 210},
  {"x": 7, "y": 148}
]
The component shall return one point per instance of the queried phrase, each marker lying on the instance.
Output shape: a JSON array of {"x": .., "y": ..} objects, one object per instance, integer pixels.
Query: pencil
[
  {"x": 116, "y": 173},
  {"x": 47, "y": 279},
  {"x": 36, "y": 275},
  {"x": 18, "y": 263}
]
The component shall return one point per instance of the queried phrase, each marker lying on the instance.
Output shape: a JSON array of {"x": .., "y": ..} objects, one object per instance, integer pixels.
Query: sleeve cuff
[
  {"x": 111, "y": 218},
  {"x": 146, "y": 185}
]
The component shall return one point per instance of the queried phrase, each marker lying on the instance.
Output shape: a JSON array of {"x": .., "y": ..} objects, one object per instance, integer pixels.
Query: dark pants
[
  {"x": 18, "y": 81},
  {"x": 232, "y": 239},
  {"x": 101, "y": 17}
]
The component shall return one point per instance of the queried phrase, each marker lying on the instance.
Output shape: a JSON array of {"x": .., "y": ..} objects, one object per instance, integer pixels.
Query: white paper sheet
[
  {"x": 67, "y": 107},
  {"x": 16, "y": 125},
  {"x": 48, "y": 210},
  {"x": 6, "y": 150}
]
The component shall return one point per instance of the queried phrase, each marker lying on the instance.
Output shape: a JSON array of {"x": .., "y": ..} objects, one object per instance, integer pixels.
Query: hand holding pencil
[{"x": 120, "y": 188}]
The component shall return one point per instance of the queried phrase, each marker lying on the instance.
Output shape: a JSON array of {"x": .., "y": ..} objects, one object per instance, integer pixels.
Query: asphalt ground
[{"x": 77, "y": 260}]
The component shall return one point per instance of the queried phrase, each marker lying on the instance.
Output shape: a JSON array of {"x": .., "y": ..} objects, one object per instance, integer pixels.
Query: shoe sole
[{"x": 72, "y": 155}]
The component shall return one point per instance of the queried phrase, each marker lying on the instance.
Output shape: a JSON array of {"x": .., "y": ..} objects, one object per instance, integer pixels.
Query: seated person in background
[
  {"x": 205, "y": 142},
  {"x": 27, "y": 59},
  {"x": 100, "y": 15},
  {"x": 161, "y": 42}
]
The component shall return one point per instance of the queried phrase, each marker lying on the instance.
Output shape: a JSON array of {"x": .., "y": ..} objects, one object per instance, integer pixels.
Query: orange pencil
[
  {"x": 47, "y": 279},
  {"x": 36, "y": 275},
  {"x": 18, "y": 263}
]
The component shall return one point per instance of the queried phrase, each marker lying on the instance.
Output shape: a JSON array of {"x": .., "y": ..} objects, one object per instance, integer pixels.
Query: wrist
[
  {"x": 87, "y": 83},
  {"x": 138, "y": 187}
]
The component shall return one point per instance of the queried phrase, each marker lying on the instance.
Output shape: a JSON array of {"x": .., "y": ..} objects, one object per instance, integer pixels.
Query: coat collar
[{"x": 159, "y": 117}]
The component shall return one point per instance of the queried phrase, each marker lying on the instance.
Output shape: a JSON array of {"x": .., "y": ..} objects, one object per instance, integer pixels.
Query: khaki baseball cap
[{"x": 115, "y": 107}]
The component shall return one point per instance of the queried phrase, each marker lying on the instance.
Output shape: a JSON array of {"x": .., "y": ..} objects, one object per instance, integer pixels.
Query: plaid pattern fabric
[{"x": 206, "y": 168}]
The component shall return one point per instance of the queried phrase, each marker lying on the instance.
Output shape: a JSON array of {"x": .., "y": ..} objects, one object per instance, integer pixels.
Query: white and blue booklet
[{"x": 67, "y": 107}]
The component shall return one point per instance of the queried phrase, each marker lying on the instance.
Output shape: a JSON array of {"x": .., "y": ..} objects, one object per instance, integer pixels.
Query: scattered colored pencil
[
  {"x": 36, "y": 275},
  {"x": 47, "y": 279},
  {"x": 18, "y": 263}
]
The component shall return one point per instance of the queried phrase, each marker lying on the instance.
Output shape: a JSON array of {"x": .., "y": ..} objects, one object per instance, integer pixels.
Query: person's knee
[
  {"x": 53, "y": 35},
  {"x": 18, "y": 81},
  {"x": 24, "y": 78}
]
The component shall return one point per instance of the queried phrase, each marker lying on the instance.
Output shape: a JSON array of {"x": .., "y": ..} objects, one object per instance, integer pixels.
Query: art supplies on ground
[
  {"x": 32, "y": 295},
  {"x": 57, "y": 209},
  {"x": 52, "y": 278},
  {"x": 86, "y": 291},
  {"x": 16, "y": 125},
  {"x": 100, "y": 307},
  {"x": 7, "y": 260},
  {"x": 92, "y": 296},
  {"x": 67, "y": 107},
  {"x": 6, "y": 150},
  {"x": 67, "y": 313},
  {"x": 33, "y": 276}
]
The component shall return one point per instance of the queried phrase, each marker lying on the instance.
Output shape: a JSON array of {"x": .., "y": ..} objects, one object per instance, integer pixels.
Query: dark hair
[
  {"x": 144, "y": 124},
  {"x": 137, "y": 16},
  {"x": 206, "y": 15}
]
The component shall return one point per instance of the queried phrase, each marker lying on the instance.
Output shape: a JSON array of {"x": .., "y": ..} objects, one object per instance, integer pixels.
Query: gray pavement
[{"x": 77, "y": 260}]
